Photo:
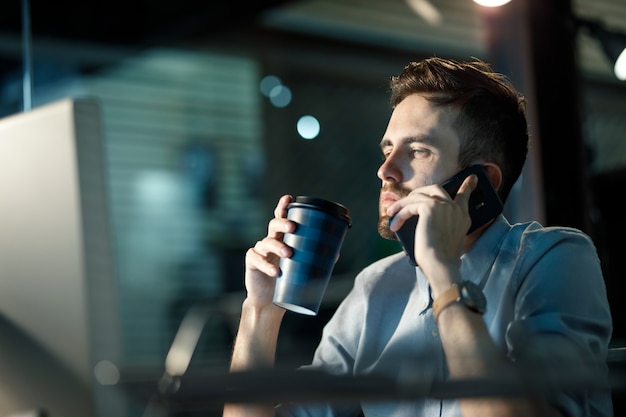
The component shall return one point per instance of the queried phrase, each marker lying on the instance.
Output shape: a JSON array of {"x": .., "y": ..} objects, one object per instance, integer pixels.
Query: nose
[{"x": 389, "y": 170}]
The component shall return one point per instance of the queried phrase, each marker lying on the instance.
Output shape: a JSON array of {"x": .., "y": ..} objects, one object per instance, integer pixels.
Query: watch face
[{"x": 473, "y": 297}]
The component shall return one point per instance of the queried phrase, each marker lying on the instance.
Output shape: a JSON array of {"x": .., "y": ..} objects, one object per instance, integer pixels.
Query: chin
[{"x": 383, "y": 228}]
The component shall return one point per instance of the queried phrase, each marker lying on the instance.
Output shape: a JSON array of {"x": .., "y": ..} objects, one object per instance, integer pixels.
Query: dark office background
[{"x": 197, "y": 154}]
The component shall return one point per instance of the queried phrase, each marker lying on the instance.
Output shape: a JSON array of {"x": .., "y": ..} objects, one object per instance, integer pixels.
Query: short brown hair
[{"x": 492, "y": 121}]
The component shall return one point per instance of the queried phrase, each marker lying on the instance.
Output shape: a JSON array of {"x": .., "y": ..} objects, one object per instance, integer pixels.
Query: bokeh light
[
  {"x": 308, "y": 127},
  {"x": 268, "y": 83},
  {"x": 280, "y": 96},
  {"x": 106, "y": 373}
]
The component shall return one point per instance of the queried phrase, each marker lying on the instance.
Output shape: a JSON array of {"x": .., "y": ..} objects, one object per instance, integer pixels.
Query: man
[{"x": 546, "y": 306}]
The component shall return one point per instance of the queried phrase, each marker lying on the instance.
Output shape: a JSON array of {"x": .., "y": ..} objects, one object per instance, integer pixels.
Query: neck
[{"x": 473, "y": 237}]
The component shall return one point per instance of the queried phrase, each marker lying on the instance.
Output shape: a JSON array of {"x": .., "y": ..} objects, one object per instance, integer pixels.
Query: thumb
[{"x": 463, "y": 195}]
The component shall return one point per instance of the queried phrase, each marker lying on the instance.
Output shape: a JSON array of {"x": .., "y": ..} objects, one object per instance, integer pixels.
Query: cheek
[
  {"x": 420, "y": 178},
  {"x": 435, "y": 175}
]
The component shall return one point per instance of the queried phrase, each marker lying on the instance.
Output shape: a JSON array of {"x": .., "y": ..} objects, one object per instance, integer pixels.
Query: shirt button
[
  {"x": 434, "y": 332},
  {"x": 424, "y": 304}
]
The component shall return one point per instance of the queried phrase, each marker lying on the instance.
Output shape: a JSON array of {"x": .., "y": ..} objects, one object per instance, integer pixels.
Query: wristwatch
[{"x": 466, "y": 293}]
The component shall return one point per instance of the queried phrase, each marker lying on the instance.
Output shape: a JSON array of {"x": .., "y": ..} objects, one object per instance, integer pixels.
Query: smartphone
[{"x": 484, "y": 205}]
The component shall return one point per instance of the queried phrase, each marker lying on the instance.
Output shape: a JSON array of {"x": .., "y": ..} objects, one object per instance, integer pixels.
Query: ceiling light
[
  {"x": 491, "y": 3},
  {"x": 620, "y": 66}
]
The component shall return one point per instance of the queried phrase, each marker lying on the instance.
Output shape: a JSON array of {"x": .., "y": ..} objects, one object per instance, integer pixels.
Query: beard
[
  {"x": 383, "y": 219},
  {"x": 383, "y": 228}
]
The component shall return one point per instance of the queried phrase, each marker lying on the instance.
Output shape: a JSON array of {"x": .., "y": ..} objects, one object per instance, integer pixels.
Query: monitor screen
[{"x": 57, "y": 285}]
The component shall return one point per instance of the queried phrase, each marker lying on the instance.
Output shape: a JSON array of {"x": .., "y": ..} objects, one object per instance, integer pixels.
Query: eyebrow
[{"x": 408, "y": 140}]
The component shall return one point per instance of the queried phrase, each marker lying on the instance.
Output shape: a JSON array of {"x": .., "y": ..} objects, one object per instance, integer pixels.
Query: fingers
[
  {"x": 266, "y": 253},
  {"x": 399, "y": 213},
  {"x": 281, "y": 208},
  {"x": 279, "y": 225},
  {"x": 468, "y": 185},
  {"x": 424, "y": 200},
  {"x": 268, "y": 263},
  {"x": 272, "y": 249},
  {"x": 415, "y": 202}
]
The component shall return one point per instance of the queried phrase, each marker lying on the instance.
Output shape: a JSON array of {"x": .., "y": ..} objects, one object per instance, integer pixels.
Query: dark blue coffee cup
[{"x": 321, "y": 227}]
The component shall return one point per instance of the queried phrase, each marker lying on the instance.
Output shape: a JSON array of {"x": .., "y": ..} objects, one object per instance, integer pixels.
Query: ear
[{"x": 494, "y": 173}]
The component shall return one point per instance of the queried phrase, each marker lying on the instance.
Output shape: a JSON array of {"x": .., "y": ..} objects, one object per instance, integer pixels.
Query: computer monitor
[{"x": 58, "y": 313}]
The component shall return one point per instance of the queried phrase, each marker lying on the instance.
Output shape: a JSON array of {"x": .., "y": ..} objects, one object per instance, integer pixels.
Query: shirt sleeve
[{"x": 562, "y": 322}]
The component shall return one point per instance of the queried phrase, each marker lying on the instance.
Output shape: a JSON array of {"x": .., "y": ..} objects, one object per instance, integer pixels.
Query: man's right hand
[
  {"x": 255, "y": 344},
  {"x": 262, "y": 260}
]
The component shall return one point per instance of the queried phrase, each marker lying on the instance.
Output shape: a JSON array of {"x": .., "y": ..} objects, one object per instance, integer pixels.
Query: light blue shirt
[{"x": 542, "y": 285}]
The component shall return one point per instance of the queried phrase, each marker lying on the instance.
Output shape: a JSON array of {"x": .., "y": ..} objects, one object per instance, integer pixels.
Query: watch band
[
  {"x": 448, "y": 297},
  {"x": 466, "y": 293}
]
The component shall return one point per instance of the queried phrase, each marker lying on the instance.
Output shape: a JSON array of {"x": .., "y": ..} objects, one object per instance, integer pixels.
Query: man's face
[{"x": 419, "y": 148}]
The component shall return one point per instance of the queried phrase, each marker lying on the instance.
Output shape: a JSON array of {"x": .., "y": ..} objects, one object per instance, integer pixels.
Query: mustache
[{"x": 396, "y": 189}]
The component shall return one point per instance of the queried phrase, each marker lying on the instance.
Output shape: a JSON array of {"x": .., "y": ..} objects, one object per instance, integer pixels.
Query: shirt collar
[{"x": 476, "y": 263}]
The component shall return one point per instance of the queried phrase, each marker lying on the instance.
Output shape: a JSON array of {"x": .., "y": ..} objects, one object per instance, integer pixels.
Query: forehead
[{"x": 416, "y": 117}]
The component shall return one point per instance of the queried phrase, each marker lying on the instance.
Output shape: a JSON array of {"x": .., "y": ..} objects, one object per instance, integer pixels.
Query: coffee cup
[{"x": 321, "y": 227}]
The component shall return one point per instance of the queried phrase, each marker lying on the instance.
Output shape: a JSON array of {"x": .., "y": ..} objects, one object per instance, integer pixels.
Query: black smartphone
[{"x": 484, "y": 205}]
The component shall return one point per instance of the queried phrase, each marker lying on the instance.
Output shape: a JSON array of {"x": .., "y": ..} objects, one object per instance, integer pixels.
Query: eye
[{"x": 419, "y": 152}]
